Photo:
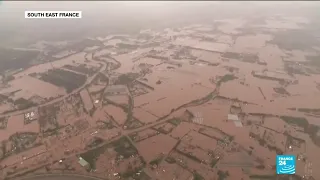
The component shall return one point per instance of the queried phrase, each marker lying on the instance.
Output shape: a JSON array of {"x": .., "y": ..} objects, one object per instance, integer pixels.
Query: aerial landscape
[{"x": 216, "y": 97}]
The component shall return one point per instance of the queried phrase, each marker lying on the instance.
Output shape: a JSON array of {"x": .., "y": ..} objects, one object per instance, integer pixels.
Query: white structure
[
  {"x": 235, "y": 119},
  {"x": 238, "y": 123}
]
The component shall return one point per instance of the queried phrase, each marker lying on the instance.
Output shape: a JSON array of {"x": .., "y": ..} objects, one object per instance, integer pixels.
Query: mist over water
[{"x": 101, "y": 18}]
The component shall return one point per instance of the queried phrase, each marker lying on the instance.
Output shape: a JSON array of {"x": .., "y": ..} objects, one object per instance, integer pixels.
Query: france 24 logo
[{"x": 286, "y": 164}]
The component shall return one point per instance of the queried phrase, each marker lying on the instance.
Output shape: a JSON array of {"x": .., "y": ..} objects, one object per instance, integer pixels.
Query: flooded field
[
  {"x": 144, "y": 116},
  {"x": 76, "y": 58},
  {"x": 257, "y": 42},
  {"x": 205, "y": 101},
  {"x": 158, "y": 150},
  {"x": 116, "y": 113},
  {"x": 28, "y": 86},
  {"x": 17, "y": 124}
]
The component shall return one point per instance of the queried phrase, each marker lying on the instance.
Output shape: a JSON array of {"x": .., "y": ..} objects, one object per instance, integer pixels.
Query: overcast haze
[{"x": 100, "y": 18}]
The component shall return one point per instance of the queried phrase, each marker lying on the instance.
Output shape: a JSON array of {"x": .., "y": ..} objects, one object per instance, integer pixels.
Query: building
[
  {"x": 84, "y": 163},
  {"x": 235, "y": 119}
]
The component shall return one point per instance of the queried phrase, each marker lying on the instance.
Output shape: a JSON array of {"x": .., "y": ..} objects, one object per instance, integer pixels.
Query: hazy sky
[{"x": 104, "y": 16}]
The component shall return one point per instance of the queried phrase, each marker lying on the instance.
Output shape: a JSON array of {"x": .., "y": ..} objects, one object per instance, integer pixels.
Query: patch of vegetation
[
  {"x": 170, "y": 160},
  {"x": 189, "y": 156},
  {"x": 23, "y": 140},
  {"x": 231, "y": 55},
  {"x": 66, "y": 79},
  {"x": 313, "y": 61},
  {"x": 127, "y": 46},
  {"x": 222, "y": 175},
  {"x": 92, "y": 155},
  {"x": 281, "y": 90},
  {"x": 3, "y": 122},
  {"x": 133, "y": 124},
  {"x": 124, "y": 147},
  {"x": 127, "y": 78},
  {"x": 156, "y": 161},
  {"x": 197, "y": 176},
  {"x": 226, "y": 78},
  {"x": 214, "y": 162},
  {"x": 308, "y": 110},
  {"x": 95, "y": 142},
  {"x": 299, "y": 121},
  {"x": 22, "y": 103},
  {"x": 276, "y": 149},
  {"x": 313, "y": 131},
  {"x": 251, "y": 58},
  {"x": 8, "y": 78},
  {"x": 175, "y": 121},
  {"x": 303, "y": 40},
  {"x": 15, "y": 59},
  {"x": 50, "y": 131},
  {"x": 100, "y": 78},
  {"x": 291, "y": 70},
  {"x": 105, "y": 124}
]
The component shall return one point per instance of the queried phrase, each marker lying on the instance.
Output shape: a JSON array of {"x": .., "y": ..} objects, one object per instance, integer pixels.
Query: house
[
  {"x": 84, "y": 163},
  {"x": 235, "y": 119}
]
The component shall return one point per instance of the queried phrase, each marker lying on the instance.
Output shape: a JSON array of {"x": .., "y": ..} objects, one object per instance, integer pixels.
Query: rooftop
[
  {"x": 238, "y": 123},
  {"x": 83, "y": 162},
  {"x": 233, "y": 117}
]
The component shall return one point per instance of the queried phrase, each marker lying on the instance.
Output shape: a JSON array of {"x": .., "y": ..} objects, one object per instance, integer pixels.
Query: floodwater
[
  {"x": 307, "y": 86},
  {"x": 151, "y": 61},
  {"x": 177, "y": 88},
  {"x": 204, "y": 142},
  {"x": 183, "y": 129},
  {"x": 117, "y": 113},
  {"x": 178, "y": 81},
  {"x": 119, "y": 99},
  {"x": 235, "y": 90},
  {"x": 226, "y": 39},
  {"x": 95, "y": 88},
  {"x": 170, "y": 171},
  {"x": 236, "y": 173},
  {"x": 256, "y": 42},
  {"x": 16, "y": 124},
  {"x": 27, "y": 154},
  {"x": 196, "y": 43},
  {"x": 157, "y": 144},
  {"x": 272, "y": 55},
  {"x": 41, "y": 68},
  {"x": 6, "y": 107},
  {"x": 144, "y": 116},
  {"x": 31, "y": 86},
  {"x": 126, "y": 60}
]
